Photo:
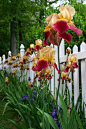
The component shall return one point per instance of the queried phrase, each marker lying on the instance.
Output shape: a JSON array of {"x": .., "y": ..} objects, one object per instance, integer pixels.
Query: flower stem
[{"x": 59, "y": 73}]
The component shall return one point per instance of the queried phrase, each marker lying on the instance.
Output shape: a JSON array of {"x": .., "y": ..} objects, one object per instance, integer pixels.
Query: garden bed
[{"x": 9, "y": 114}]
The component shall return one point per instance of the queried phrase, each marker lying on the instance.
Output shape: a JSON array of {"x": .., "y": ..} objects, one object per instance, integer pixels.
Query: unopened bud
[{"x": 68, "y": 51}]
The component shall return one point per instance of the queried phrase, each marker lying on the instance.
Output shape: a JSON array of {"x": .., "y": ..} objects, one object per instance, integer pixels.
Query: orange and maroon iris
[
  {"x": 13, "y": 58},
  {"x": 13, "y": 72},
  {"x": 18, "y": 56},
  {"x": 10, "y": 63},
  {"x": 6, "y": 80},
  {"x": 58, "y": 24}
]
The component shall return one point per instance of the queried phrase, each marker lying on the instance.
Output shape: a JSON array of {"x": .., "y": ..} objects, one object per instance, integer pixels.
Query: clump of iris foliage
[{"x": 37, "y": 108}]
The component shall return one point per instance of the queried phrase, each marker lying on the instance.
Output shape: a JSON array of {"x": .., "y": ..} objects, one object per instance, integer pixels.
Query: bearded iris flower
[
  {"x": 44, "y": 63},
  {"x": 46, "y": 58},
  {"x": 38, "y": 45},
  {"x": 6, "y": 80},
  {"x": 73, "y": 61},
  {"x": 58, "y": 24}
]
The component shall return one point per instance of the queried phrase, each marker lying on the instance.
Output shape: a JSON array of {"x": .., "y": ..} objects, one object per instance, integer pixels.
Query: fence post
[
  {"x": 76, "y": 78},
  {"x": 3, "y": 59},
  {"x": 22, "y": 50},
  {"x": 9, "y": 55},
  {"x": 83, "y": 76}
]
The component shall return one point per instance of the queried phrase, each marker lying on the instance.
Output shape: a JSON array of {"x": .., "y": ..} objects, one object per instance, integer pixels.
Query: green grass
[{"x": 9, "y": 114}]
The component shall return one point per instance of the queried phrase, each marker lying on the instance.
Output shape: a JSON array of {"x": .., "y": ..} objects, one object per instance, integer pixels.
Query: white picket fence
[{"x": 54, "y": 83}]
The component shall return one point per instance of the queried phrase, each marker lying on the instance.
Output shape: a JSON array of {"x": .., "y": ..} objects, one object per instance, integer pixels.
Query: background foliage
[{"x": 29, "y": 17}]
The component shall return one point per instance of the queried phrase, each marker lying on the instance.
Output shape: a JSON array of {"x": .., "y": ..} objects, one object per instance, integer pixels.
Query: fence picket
[
  {"x": 9, "y": 55},
  {"x": 56, "y": 73},
  {"x": 76, "y": 78},
  {"x": 83, "y": 75},
  {"x": 70, "y": 83},
  {"x": 22, "y": 50},
  {"x": 62, "y": 53}
]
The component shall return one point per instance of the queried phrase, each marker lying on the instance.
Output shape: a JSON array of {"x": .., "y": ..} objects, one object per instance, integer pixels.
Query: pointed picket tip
[
  {"x": 75, "y": 49},
  {"x": 83, "y": 42},
  {"x": 9, "y": 52},
  {"x": 75, "y": 46},
  {"x": 52, "y": 45},
  {"x": 83, "y": 46},
  {"x": 68, "y": 48},
  {"x": 3, "y": 56},
  {"x": 21, "y": 46}
]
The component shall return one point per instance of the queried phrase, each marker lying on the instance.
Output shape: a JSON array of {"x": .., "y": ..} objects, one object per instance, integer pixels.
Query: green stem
[
  {"x": 66, "y": 91},
  {"x": 59, "y": 73},
  {"x": 43, "y": 102}
]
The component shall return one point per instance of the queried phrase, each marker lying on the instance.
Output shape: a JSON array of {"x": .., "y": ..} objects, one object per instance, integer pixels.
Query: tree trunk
[{"x": 13, "y": 37}]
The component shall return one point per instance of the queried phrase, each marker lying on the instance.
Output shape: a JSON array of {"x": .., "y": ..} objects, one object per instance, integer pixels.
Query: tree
[
  {"x": 24, "y": 22},
  {"x": 80, "y": 22}
]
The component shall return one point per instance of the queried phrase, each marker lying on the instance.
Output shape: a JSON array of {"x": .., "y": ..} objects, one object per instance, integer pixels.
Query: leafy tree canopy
[{"x": 30, "y": 22}]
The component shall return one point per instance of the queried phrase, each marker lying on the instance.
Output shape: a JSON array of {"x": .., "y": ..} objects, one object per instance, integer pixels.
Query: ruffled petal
[
  {"x": 37, "y": 47},
  {"x": 61, "y": 26},
  {"x": 36, "y": 77},
  {"x": 42, "y": 64},
  {"x": 66, "y": 69},
  {"x": 50, "y": 77},
  {"x": 45, "y": 42},
  {"x": 55, "y": 40},
  {"x": 66, "y": 36},
  {"x": 34, "y": 69},
  {"x": 55, "y": 66},
  {"x": 75, "y": 65},
  {"x": 51, "y": 39},
  {"x": 47, "y": 33},
  {"x": 75, "y": 29},
  {"x": 30, "y": 48}
]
